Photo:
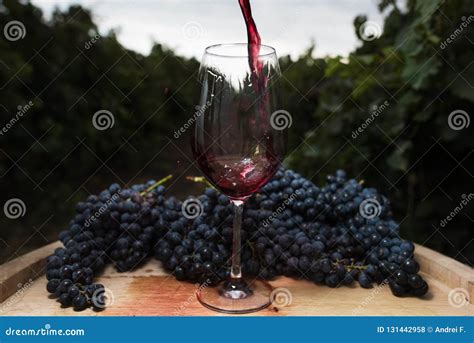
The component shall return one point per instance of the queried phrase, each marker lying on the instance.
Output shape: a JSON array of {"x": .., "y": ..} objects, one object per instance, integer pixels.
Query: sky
[{"x": 188, "y": 26}]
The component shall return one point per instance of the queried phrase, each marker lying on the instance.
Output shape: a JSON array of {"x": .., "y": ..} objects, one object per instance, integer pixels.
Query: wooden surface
[
  {"x": 21, "y": 270},
  {"x": 150, "y": 291}
]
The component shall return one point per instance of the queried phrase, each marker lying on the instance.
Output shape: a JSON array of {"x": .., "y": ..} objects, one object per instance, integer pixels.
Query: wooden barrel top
[{"x": 150, "y": 291}]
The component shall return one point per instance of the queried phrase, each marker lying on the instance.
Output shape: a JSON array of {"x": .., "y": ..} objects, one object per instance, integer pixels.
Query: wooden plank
[
  {"x": 151, "y": 291},
  {"x": 14, "y": 274},
  {"x": 450, "y": 272}
]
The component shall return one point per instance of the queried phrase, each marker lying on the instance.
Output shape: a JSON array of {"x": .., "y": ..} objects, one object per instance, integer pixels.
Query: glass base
[{"x": 236, "y": 296}]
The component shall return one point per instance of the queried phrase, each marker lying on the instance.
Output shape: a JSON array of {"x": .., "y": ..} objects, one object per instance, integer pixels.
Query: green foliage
[
  {"x": 69, "y": 77},
  {"x": 408, "y": 150}
]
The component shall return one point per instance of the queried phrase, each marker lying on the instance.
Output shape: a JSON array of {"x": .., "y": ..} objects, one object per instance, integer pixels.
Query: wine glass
[{"x": 238, "y": 144}]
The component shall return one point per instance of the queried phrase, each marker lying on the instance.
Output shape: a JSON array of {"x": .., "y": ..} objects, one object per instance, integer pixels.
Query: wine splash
[{"x": 236, "y": 176}]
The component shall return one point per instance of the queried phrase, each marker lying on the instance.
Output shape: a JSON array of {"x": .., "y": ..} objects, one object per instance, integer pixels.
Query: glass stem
[{"x": 236, "y": 270}]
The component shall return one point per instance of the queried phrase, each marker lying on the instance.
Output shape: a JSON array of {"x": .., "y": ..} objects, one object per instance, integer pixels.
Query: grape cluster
[
  {"x": 338, "y": 234},
  {"x": 197, "y": 249},
  {"x": 119, "y": 226}
]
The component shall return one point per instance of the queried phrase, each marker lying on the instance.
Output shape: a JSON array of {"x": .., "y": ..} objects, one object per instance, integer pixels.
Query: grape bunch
[
  {"x": 337, "y": 234},
  {"x": 118, "y": 226}
]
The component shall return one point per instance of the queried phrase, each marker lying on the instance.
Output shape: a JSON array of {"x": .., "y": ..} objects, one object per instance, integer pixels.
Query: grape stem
[
  {"x": 199, "y": 179},
  {"x": 156, "y": 184},
  {"x": 352, "y": 266}
]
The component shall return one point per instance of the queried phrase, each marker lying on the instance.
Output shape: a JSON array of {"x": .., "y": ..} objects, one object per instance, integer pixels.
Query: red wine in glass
[
  {"x": 237, "y": 147},
  {"x": 237, "y": 176},
  {"x": 238, "y": 150}
]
